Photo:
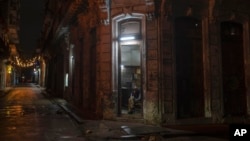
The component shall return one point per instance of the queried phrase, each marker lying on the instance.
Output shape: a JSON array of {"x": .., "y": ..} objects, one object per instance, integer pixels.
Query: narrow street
[{"x": 26, "y": 115}]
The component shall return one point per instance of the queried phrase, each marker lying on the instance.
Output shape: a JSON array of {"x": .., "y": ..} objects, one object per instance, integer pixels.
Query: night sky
[{"x": 31, "y": 18}]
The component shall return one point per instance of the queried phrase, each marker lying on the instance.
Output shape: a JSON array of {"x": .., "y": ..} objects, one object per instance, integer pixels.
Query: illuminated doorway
[
  {"x": 233, "y": 75},
  {"x": 130, "y": 79},
  {"x": 128, "y": 64}
]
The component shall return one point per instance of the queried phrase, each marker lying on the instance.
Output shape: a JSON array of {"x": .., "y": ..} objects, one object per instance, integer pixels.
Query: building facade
[
  {"x": 189, "y": 61},
  {"x": 9, "y": 40}
]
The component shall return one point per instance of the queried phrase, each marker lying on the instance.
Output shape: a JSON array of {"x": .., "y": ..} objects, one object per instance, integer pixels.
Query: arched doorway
[
  {"x": 128, "y": 63},
  {"x": 233, "y": 70},
  {"x": 189, "y": 68}
]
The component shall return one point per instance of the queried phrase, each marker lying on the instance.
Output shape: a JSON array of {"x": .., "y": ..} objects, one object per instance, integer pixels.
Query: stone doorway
[{"x": 128, "y": 63}]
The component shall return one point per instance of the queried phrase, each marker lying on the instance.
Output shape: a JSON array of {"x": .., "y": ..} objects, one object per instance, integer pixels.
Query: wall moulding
[
  {"x": 104, "y": 14},
  {"x": 141, "y": 6},
  {"x": 127, "y": 2}
]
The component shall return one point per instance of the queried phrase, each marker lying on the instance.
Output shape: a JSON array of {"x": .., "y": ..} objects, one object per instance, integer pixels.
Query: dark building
[
  {"x": 189, "y": 60},
  {"x": 9, "y": 40}
]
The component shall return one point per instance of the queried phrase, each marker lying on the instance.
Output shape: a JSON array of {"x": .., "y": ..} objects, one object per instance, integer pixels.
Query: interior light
[
  {"x": 66, "y": 80},
  {"x": 130, "y": 42},
  {"x": 127, "y": 38},
  {"x": 122, "y": 67}
]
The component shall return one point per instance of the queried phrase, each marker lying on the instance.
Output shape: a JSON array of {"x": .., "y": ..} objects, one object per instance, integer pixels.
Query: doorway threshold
[{"x": 138, "y": 118}]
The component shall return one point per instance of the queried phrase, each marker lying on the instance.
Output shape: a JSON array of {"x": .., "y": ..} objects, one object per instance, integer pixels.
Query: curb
[
  {"x": 70, "y": 113},
  {"x": 64, "y": 107}
]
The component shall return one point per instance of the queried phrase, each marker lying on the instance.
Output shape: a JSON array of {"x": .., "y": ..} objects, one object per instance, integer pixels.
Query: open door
[
  {"x": 128, "y": 64},
  {"x": 130, "y": 78}
]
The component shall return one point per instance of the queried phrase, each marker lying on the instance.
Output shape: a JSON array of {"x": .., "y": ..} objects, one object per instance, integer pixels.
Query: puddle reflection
[{"x": 11, "y": 111}]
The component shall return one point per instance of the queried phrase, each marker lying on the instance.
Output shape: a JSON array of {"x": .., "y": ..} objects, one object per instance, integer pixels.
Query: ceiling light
[{"x": 127, "y": 38}]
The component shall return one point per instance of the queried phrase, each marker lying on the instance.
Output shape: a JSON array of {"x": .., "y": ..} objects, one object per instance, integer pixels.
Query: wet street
[{"x": 26, "y": 115}]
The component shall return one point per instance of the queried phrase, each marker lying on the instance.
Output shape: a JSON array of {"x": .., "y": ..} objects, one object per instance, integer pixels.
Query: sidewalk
[{"x": 95, "y": 130}]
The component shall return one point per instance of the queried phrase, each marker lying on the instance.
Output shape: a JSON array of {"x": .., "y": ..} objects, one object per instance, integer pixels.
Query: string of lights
[{"x": 25, "y": 63}]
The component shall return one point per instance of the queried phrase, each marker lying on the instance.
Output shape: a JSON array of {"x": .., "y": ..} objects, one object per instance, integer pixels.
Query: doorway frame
[{"x": 115, "y": 54}]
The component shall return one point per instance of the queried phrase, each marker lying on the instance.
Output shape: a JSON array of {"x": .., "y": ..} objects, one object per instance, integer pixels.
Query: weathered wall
[{"x": 91, "y": 82}]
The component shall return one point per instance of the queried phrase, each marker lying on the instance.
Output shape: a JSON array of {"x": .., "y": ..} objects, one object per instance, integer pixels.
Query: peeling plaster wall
[
  {"x": 152, "y": 110},
  {"x": 104, "y": 73}
]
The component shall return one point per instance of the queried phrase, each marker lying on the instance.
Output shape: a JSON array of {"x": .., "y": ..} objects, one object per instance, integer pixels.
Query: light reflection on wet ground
[
  {"x": 25, "y": 115},
  {"x": 10, "y": 111}
]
